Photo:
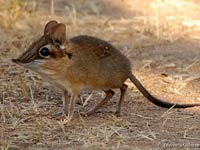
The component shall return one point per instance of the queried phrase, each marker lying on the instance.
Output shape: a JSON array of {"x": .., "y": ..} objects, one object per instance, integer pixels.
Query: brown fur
[{"x": 83, "y": 62}]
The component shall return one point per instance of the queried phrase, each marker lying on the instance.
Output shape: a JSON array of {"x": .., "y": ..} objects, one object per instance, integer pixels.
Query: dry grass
[{"x": 159, "y": 37}]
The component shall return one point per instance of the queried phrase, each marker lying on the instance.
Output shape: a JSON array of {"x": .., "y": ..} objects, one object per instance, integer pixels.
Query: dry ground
[{"x": 161, "y": 38}]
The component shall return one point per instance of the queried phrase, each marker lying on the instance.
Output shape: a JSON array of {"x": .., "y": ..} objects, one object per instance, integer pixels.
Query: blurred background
[
  {"x": 131, "y": 25},
  {"x": 137, "y": 22}
]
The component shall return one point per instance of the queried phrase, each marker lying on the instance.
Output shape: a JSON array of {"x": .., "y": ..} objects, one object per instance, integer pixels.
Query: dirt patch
[{"x": 164, "y": 57}]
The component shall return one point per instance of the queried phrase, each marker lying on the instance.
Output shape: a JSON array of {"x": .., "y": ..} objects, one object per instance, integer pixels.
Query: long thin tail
[{"x": 155, "y": 100}]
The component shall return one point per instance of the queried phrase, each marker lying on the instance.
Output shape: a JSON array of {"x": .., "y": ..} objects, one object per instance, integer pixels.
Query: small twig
[
  {"x": 152, "y": 134},
  {"x": 168, "y": 111},
  {"x": 87, "y": 100},
  {"x": 142, "y": 116},
  {"x": 82, "y": 120},
  {"x": 166, "y": 114},
  {"x": 52, "y": 7},
  {"x": 63, "y": 122},
  {"x": 145, "y": 136},
  {"x": 115, "y": 132},
  {"x": 32, "y": 97}
]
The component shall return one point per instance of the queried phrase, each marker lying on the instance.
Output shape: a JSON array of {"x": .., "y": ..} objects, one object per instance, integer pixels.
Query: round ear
[
  {"x": 49, "y": 25},
  {"x": 57, "y": 35}
]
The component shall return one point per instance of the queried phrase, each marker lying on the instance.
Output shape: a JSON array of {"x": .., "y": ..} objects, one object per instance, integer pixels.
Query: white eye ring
[{"x": 44, "y": 52}]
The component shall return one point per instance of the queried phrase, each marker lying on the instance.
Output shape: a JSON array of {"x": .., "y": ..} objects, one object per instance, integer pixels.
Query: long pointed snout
[
  {"x": 27, "y": 57},
  {"x": 18, "y": 61}
]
